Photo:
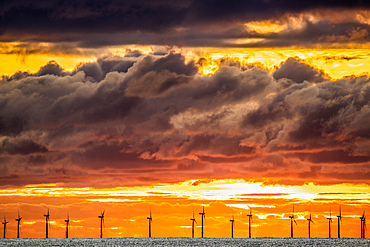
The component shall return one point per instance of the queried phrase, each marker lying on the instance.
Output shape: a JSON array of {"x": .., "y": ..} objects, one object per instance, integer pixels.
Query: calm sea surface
[{"x": 186, "y": 242}]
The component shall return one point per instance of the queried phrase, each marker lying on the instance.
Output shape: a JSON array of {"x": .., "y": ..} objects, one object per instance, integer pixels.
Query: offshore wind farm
[
  {"x": 195, "y": 121},
  {"x": 292, "y": 219}
]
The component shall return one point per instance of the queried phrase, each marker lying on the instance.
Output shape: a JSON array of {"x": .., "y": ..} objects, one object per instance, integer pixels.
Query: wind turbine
[
  {"x": 232, "y": 227},
  {"x": 329, "y": 219},
  {"x": 67, "y": 225},
  {"x": 101, "y": 216},
  {"x": 339, "y": 220},
  {"x": 4, "y": 223},
  {"x": 47, "y": 219},
  {"x": 309, "y": 224},
  {"x": 192, "y": 225},
  {"x": 203, "y": 218},
  {"x": 292, "y": 219},
  {"x": 250, "y": 218},
  {"x": 18, "y": 222},
  {"x": 150, "y": 223},
  {"x": 363, "y": 224}
]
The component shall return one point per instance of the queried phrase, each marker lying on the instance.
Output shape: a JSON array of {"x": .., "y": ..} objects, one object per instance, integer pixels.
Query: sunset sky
[{"x": 138, "y": 105}]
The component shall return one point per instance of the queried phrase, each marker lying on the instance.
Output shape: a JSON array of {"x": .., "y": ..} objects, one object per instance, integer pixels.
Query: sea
[{"x": 348, "y": 242}]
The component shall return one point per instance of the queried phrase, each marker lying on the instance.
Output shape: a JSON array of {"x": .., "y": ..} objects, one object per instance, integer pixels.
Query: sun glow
[
  {"x": 214, "y": 190},
  {"x": 126, "y": 208},
  {"x": 336, "y": 63}
]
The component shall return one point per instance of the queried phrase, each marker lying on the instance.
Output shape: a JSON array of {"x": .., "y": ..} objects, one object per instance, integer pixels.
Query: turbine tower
[
  {"x": 363, "y": 224},
  {"x": 249, "y": 219},
  {"x": 192, "y": 224},
  {"x": 150, "y": 223},
  {"x": 309, "y": 224},
  {"x": 203, "y": 218},
  {"x": 232, "y": 227},
  {"x": 101, "y": 216},
  {"x": 4, "y": 223},
  {"x": 67, "y": 225},
  {"x": 292, "y": 219},
  {"x": 329, "y": 219},
  {"x": 47, "y": 219},
  {"x": 339, "y": 220},
  {"x": 18, "y": 223}
]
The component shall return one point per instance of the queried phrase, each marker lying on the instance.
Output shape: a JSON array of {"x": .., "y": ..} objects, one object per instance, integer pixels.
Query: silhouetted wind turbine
[
  {"x": 292, "y": 219},
  {"x": 203, "y": 218},
  {"x": 150, "y": 223},
  {"x": 339, "y": 220},
  {"x": 309, "y": 224},
  {"x": 4, "y": 223},
  {"x": 232, "y": 227},
  {"x": 329, "y": 219},
  {"x": 192, "y": 225},
  {"x": 101, "y": 216},
  {"x": 363, "y": 224},
  {"x": 67, "y": 225},
  {"x": 47, "y": 219},
  {"x": 250, "y": 218},
  {"x": 18, "y": 223}
]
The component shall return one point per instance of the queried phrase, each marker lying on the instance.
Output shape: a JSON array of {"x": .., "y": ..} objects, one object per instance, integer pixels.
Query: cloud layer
[
  {"x": 141, "y": 119},
  {"x": 189, "y": 23}
]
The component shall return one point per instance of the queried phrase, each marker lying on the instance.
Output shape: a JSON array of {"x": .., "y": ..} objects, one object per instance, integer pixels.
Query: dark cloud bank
[
  {"x": 148, "y": 118},
  {"x": 187, "y": 22}
]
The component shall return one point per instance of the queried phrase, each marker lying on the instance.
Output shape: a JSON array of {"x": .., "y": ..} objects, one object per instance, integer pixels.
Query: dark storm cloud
[
  {"x": 143, "y": 114},
  {"x": 318, "y": 117},
  {"x": 298, "y": 72},
  {"x": 190, "y": 23},
  {"x": 23, "y": 147}
]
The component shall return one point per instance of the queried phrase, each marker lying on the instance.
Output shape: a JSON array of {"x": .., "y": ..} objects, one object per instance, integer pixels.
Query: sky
[{"x": 132, "y": 106}]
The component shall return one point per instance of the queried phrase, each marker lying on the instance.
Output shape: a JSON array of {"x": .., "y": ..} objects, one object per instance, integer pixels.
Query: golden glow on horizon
[
  {"x": 126, "y": 208},
  {"x": 10, "y": 64},
  {"x": 336, "y": 63},
  {"x": 213, "y": 190}
]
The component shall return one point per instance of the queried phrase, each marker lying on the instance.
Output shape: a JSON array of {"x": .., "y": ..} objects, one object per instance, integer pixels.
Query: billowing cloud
[
  {"x": 147, "y": 117},
  {"x": 298, "y": 72}
]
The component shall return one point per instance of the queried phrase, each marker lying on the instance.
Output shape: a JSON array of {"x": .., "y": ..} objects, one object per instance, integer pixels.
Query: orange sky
[
  {"x": 126, "y": 209},
  {"x": 223, "y": 107}
]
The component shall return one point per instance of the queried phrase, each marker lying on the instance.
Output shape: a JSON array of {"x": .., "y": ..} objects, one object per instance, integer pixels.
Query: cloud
[
  {"x": 71, "y": 25},
  {"x": 144, "y": 118},
  {"x": 22, "y": 147},
  {"x": 298, "y": 72}
]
